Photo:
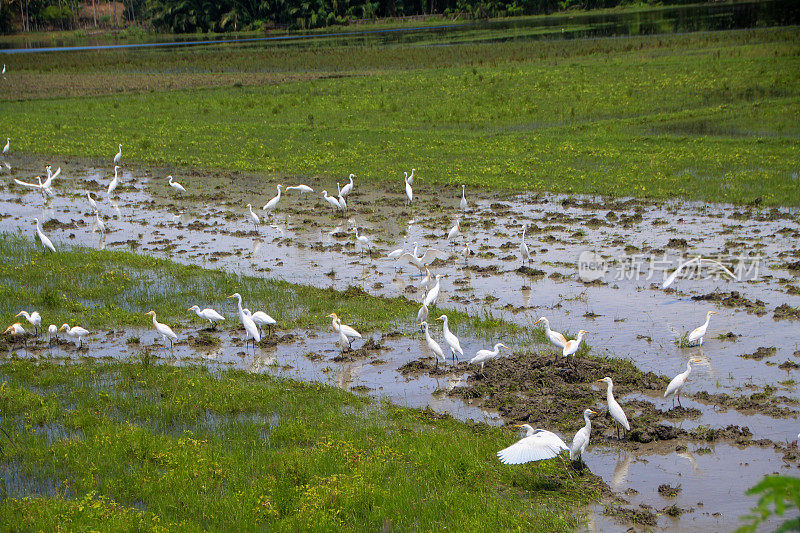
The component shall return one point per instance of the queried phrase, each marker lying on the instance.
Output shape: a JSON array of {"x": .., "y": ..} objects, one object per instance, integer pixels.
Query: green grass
[
  {"x": 101, "y": 288},
  {"x": 704, "y": 117},
  {"x": 126, "y": 447}
]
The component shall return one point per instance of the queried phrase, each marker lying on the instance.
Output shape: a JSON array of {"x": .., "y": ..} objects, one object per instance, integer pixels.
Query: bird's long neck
[
  {"x": 580, "y": 338},
  {"x": 155, "y": 322},
  {"x": 609, "y": 392},
  {"x": 588, "y": 421},
  {"x": 496, "y": 350},
  {"x": 547, "y": 326},
  {"x": 708, "y": 319},
  {"x": 688, "y": 368}
]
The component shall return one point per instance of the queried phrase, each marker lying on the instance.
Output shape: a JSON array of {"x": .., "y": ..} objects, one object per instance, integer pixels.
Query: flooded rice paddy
[{"x": 752, "y": 346}]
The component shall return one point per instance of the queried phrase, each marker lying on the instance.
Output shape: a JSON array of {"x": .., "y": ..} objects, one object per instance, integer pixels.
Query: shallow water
[{"x": 305, "y": 242}]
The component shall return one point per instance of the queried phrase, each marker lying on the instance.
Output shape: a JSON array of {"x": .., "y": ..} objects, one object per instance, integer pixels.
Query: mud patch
[
  {"x": 786, "y": 312},
  {"x": 733, "y": 299},
  {"x": 760, "y": 353}
]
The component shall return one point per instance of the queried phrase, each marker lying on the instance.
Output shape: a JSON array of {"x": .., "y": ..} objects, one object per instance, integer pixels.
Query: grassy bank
[
  {"x": 704, "y": 117},
  {"x": 132, "y": 447},
  {"x": 97, "y": 288}
]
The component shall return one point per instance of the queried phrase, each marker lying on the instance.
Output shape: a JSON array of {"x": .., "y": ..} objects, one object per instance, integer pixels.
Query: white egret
[
  {"x": 253, "y": 217},
  {"x": 427, "y": 282},
  {"x": 118, "y": 156},
  {"x": 302, "y": 188},
  {"x": 558, "y": 340},
  {"x": 484, "y": 355},
  {"x": 207, "y": 314},
  {"x": 7, "y": 147},
  {"x": 39, "y": 187},
  {"x": 464, "y": 206},
  {"x": 342, "y": 202},
  {"x": 91, "y": 201},
  {"x": 364, "y": 240},
  {"x": 433, "y": 294},
  {"x": 697, "y": 334},
  {"x": 260, "y": 318},
  {"x": 455, "y": 231},
  {"x": 614, "y": 408},
  {"x": 332, "y": 200},
  {"x": 348, "y": 188},
  {"x": 274, "y": 201},
  {"x": 34, "y": 318},
  {"x": 422, "y": 314},
  {"x": 676, "y": 384},
  {"x": 52, "y": 332},
  {"x": 164, "y": 330},
  {"x": 430, "y": 255},
  {"x": 46, "y": 242},
  {"x": 450, "y": 337},
  {"x": 175, "y": 185},
  {"x": 99, "y": 223},
  {"x": 572, "y": 345},
  {"x": 344, "y": 329},
  {"x": 411, "y": 176},
  {"x": 523, "y": 247},
  {"x": 536, "y": 445},
  {"x": 432, "y": 344},
  {"x": 466, "y": 252},
  {"x": 409, "y": 192},
  {"x": 581, "y": 439},
  {"x": 114, "y": 182},
  {"x": 75, "y": 331},
  {"x": 250, "y": 327},
  {"x": 16, "y": 330},
  {"x": 395, "y": 254}
]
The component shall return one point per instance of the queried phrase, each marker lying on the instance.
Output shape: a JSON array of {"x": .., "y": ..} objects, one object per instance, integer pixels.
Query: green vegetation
[
  {"x": 705, "y": 117},
  {"x": 126, "y": 447},
  {"x": 95, "y": 288},
  {"x": 778, "y": 495}
]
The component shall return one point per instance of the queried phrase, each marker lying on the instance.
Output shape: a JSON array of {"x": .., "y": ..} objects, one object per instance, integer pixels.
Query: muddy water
[{"x": 304, "y": 241}]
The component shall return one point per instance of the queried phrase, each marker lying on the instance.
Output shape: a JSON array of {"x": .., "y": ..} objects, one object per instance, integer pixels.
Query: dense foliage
[{"x": 182, "y": 16}]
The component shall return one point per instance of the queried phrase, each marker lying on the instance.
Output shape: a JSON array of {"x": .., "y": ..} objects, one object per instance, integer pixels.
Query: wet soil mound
[{"x": 733, "y": 299}]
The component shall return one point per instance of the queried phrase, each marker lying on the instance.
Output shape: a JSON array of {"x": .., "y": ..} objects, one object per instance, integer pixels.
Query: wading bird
[
  {"x": 39, "y": 187},
  {"x": 536, "y": 445},
  {"x": 252, "y": 217},
  {"x": 164, "y": 330},
  {"x": 432, "y": 344},
  {"x": 430, "y": 255},
  {"x": 302, "y": 188},
  {"x": 332, "y": 200},
  {"x": 433, "y": 294},
  {"x": 7, "y": 147},
  {"x": 91, "y": 201},
  {"x": 47, "y": 243},
  {"x": 34, "y": 318},
  {"x": 523, "y": 247},
  {"x": 411, "y": 176},
  {"x": 16, "y": 331},
  {"x": 557, "y": 339},
  {"x": 344, "y": 329},
  {"x": 348, "y": 188},
  {"x": 409, "y": 191},
  {"x": 114, "y": 182},
  {"x": 676, "y": 385},
  {"x": 175, "y": 185},
  {"x": 614, "y": 408},
  {"x": 98, "y": 222},
  {"x": 118, "y": 156},
  {"x": 250, "y": 328},
  {"x": 572, "y": 345},
  {"x": 75, "y": 331},
  {"x": 464, "y": 206},
  {"x": 52, "y": 333},
  {"x": 581, "y": 439},
  {"x": 363, "y": 240},
  {"x": 274, "y": 201},
  {"x": 207, "y": 314},
  {"x": 697, "y": 334},
  {"x": 422, "y": 314},
  {"x": 450, "y": 338},
  {"x": 484, "y": 355},
  {"x": 260, "y": 318},
  {"x": 455, "y": 231}
]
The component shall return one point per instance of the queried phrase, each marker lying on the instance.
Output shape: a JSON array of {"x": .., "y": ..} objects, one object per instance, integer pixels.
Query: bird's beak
[
  {"x": 231, "y": 296},
  {"x": 330, "y": 315},
  {"x": 537, "y": 321},
  {"x": 598, "y": 380},
  {"x": 593, "y": 412},
  {"x": 189, "y": 309},
  {"x": 517, "y": 425},
  {"x": 7, "y": 329},
  {"x": 59, "y": 329},
  {"x": 18, "y": 314}
]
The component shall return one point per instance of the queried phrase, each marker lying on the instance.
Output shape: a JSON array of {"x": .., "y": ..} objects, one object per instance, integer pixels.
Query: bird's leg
[
  {"x": 673, "y": 402},
  {"x": 566, "y": 469},
  {"x": 679, "y": 400}
]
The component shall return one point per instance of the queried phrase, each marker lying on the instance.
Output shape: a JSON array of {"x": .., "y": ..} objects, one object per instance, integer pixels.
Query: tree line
[{"x": 189, "y": 16}]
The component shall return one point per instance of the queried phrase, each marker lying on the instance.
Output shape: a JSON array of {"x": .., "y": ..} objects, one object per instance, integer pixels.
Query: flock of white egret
[{"x": 536, "y": 445}]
